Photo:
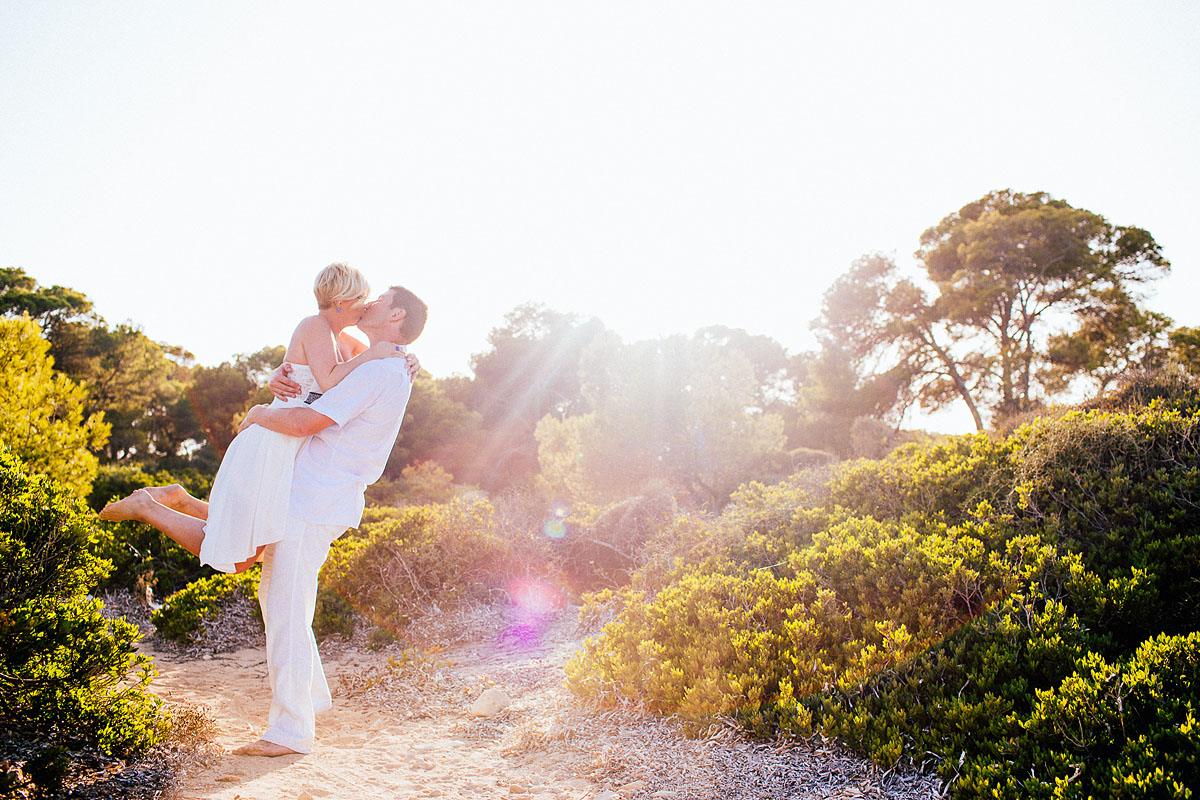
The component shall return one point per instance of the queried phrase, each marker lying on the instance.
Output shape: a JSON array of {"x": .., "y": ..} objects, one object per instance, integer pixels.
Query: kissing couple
[{"x": 294, "y": 479}]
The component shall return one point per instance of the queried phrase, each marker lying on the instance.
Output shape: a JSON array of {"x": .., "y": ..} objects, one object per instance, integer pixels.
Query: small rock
[
  {"x": 206, "y": 657},
  {"x": 516, "y": 788},
  {"x": 305, "y": 796},
  {"x": 419, "y": 762},
  {"x": 490, "y": 703}
]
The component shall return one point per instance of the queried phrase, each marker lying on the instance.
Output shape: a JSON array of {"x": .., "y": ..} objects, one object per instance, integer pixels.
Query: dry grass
[{"x": 657, "y": 756}]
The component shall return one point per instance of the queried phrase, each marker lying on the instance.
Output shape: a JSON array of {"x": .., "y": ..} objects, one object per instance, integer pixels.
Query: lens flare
[
  {"x": 556, "y": 526},
  {"x": 534, "y": 597},
  {"x": 535, "y": 602}
]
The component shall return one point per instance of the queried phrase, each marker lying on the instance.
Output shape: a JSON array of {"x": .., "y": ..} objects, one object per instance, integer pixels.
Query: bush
[
  {"x": 946, "y": 479},
  {"x": 140, "y": 554},
  {"x": 418, "y": 484},
  {"x": 409, "y": 557},
  {"x": 602, "y": 545},
  {"x": 183, "y": 615},
  {"x": 68, "y": 677},
  {"x": 42, "y": 418},
  {"x": 984, "y": 602}
]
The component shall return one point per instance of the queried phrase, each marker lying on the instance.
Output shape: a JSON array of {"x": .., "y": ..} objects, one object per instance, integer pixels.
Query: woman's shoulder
[
  {"x": 311, "y": 326},
  {"x": 315, "y": 321}
]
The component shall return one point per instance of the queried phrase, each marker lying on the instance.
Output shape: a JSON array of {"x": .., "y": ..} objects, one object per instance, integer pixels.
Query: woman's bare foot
[
  {"x": 264, "y": 748},
  {"x": 169, "y": 495},
  {"x": 132, "y": 507}
]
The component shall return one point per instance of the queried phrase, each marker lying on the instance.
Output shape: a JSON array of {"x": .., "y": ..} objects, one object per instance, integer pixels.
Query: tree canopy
[{"x": 1023, "y": 292}]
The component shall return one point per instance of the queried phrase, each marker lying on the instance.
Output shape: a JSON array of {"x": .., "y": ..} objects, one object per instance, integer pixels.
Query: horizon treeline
[{"x": 1018, "y": 300}]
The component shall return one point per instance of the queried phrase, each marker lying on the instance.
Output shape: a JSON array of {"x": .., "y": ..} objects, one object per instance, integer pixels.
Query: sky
[{"x": 662, "y": 166}]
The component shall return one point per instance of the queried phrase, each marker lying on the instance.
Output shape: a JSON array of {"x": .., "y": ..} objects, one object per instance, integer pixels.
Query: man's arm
[{"x": 288, "y": 421}]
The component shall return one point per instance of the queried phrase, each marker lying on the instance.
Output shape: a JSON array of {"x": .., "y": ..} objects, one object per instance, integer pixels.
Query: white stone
[{"x": 490, "y": 703}]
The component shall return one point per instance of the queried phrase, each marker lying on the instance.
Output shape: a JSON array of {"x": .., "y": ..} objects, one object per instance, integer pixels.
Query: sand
[{"x": 401, "y": 727}]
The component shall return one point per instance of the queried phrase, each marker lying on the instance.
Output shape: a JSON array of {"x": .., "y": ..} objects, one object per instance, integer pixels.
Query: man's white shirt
[{"x": 334, "y": 467}]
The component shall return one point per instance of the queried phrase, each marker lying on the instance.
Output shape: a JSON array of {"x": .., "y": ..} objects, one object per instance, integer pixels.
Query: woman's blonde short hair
[{"x": 339, "y": 281}]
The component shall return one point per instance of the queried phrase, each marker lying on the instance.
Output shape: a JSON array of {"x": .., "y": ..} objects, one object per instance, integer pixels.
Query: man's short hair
[
  {"x": 339, "y": 281},
  {"x": 415, "y": 313}
]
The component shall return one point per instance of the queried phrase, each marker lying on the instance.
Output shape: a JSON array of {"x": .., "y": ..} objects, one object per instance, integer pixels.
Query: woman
[{"x": 249, "y": 500}]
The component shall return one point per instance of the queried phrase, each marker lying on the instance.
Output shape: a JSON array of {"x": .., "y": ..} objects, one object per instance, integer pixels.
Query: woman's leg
[
  {"x": 184, "y": 529},
  {"x": 176, "y": 497}
]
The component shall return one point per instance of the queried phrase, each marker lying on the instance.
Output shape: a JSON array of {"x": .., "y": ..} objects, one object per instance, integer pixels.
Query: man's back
[{"x": 334, "y": 467}]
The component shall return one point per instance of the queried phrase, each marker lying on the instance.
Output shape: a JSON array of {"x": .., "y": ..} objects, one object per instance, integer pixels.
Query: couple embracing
[{"x": 294, "y": 479}]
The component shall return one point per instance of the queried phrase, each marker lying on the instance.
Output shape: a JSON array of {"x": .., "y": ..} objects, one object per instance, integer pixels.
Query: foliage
[
  {"x": 1185, "y": 348},
  {"x": 1166, "y": 387},
  {"x": 1023, "y": 611},
  {"x": 182, "y": 615},
  {"x": 42, "y": 414},
  {"x": 1029, "y": 292},
  {"x": 679, "y": 411},
  {"x": 132, "y": 380},
  {"x": 437, "y": 428},
  {"x": 420, "y": 483},
  {"x": 531, "y": 369},
  {"x": 418, "y": 555},
  {"x": 602, "y": 545},
  {"x": 20, "y": 294},
  {"x": 834, "y": 397},
  {"x": 67, "y": 675},
  {"x": 139, "y": 554}
]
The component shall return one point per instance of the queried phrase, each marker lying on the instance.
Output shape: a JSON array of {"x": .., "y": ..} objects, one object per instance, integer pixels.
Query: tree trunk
[{"x": 959, "y": 384}]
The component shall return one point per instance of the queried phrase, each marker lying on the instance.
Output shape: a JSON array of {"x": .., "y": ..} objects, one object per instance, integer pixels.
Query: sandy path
[
  {"x": 367, "y": 748},
  {"x": 399, "y": 729}
]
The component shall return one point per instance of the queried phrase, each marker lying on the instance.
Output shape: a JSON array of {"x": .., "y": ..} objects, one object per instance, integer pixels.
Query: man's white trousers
[{"x": 287, "y": 594}]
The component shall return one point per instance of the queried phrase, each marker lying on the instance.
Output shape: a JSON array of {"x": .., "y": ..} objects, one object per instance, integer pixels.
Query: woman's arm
[
  {"x": 316, "y": 339},
  {"x": 355, "y": 347}
]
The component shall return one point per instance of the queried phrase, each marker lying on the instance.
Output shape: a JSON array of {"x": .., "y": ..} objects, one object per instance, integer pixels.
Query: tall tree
[
  {"x": 131, "y": 379},
  {"x": 49, "y": 306},
  {"x": 685, "y": 411},
  {"x": 899, "y": 344},
  {"x": 1024, "y": 292},
  {"x": 531, "y": 369},
  {"x": 438, "y": 428},
  {"x": 1014, "y": 268},
  {"x": 1114, "y": 338}
]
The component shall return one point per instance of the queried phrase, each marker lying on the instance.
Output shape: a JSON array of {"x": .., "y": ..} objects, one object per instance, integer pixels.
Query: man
[{"x": 352, "y": 428}]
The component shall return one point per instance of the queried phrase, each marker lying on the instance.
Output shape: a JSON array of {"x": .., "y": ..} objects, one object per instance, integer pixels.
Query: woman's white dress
[{"x": 248, "y": 504}]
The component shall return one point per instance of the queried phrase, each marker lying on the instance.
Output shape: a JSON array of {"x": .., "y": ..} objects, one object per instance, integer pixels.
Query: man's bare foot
[
  {"x": 264, "y": 748},
  {"x": 131, "y": 507}
]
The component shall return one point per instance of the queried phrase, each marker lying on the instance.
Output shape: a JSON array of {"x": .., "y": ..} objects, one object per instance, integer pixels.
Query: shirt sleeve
[{"x": 354, "y": 394}]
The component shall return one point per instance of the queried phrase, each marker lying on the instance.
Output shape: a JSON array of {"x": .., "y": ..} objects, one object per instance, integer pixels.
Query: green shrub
[
  {"x": 1123, "y": 491},
  {"x": 183, "y": 614},
  {"x": 333, "y": 615},
  {"x": 602, "y": 545},
  {"x": 140, "y": 554},
  {"x": 945, "y": 479},
  {"x": 1107, "y": 731},
  {"x": 417, "y": 555},
  {"x": 980, "y": 601},
  {"x": 68, "y": 677}
]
